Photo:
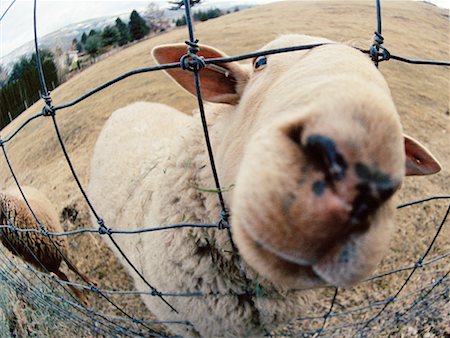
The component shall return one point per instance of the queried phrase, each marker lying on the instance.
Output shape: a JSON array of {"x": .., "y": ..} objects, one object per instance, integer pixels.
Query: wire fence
[{"x": 53, "y": 293}]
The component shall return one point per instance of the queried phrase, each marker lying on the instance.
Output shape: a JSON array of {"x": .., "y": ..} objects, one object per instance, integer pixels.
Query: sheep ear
[
  {"x": 221, "y": 83},
  {"x": 419, "y": 161}
]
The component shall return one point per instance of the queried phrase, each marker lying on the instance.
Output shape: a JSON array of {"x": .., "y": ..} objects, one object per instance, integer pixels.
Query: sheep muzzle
[{"x": 313, "y": 208}]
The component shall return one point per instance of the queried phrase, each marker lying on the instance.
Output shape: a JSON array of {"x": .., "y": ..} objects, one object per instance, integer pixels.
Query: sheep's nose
[
  {"x": 323, "y": 151},
  {"x": 365, "y": 188}
]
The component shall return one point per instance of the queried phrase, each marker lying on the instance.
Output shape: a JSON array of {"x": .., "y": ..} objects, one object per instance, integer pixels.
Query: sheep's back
[{"x": 34, "y": 248}]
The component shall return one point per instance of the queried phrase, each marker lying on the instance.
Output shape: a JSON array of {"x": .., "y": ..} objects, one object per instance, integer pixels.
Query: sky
[{"x": 16, "y": 26}]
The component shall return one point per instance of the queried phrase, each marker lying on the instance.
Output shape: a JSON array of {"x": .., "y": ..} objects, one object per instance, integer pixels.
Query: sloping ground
[{"x": 411, "y": 29}]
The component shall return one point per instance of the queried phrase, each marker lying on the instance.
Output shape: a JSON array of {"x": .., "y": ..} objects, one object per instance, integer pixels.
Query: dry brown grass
[{"x": 416, "y": 30}]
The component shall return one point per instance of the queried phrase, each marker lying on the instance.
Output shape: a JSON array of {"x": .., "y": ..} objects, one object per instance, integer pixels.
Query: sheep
[
  {"x": 35, "y": 248},
  {"x": 309, "y": 150}
]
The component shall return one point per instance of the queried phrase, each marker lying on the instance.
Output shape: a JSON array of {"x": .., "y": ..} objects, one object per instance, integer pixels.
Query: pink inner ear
[
  {"x": 216, "y": 86},
  {"x": 419, "y": 161}
]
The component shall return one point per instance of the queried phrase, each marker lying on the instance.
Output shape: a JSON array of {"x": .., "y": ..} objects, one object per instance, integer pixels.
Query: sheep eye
[{"x": 260, "y": 62}]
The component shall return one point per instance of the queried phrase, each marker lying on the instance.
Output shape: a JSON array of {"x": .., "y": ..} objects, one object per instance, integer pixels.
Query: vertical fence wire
[
  {"x": 102, "y": 229},
  {"x": 7, "y": 9},
  {"x": 192, "y": 50}
]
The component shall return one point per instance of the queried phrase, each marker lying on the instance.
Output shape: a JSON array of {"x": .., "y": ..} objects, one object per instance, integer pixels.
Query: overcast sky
[{"x": 16, "y": 26}]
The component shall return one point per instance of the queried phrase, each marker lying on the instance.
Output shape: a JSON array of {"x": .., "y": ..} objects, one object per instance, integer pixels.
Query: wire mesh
[{"x": 360, "y": 320}]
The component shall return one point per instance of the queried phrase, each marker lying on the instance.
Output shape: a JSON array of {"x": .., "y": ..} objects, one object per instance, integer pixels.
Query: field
[{"x": 421, "y": 93}]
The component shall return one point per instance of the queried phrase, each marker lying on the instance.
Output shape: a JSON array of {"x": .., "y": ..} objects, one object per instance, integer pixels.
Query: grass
[
  {"x": 33, "y": 309},
  {"x": 421, "y": 93}
]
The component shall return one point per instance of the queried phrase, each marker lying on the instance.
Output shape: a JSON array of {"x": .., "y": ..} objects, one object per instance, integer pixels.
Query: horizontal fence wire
[
  {"x": 49, "y": 293},
  {"x": 424, "y": 263},
  {"x": 75, "y": 305},
  {"x": 166, "y": 227}
]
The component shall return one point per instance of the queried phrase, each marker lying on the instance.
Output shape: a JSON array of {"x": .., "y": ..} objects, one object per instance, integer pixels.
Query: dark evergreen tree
[
  {"x": 137, "y": 26},
  {"x": 181, "y": 21},
  {"x": 93, "y": 46},
  {"x": 19, "y": 68},
  {"x": 110, "y": 36},
  {"x": 208, "y": 14},
  {"x": 124, "y": 34},
  {"x": 84, "y": 38}
]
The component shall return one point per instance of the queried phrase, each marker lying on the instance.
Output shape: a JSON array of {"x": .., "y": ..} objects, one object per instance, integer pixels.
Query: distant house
[{"x": 72, "y": 55}]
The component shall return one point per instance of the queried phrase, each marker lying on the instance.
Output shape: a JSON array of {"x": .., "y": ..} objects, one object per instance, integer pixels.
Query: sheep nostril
[
  {"x": 380, "y": 184},
  {"x": 363, "y": 206},
  {"x": 371, "y": 195},
  {"x": 324, "y": 151}
]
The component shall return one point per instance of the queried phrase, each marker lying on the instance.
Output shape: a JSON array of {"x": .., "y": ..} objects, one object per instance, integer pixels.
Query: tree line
[
  {"x": 119, "y": 34},
  {"x": 22, "y": 88},
  {"x": 205, "y": 15}
]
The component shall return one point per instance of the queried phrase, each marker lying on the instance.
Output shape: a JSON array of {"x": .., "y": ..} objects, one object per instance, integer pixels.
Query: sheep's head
[{"x": 315, "y": 150}]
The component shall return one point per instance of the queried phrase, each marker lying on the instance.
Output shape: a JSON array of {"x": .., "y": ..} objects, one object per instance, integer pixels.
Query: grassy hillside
[{"x": 421, "y": 93}]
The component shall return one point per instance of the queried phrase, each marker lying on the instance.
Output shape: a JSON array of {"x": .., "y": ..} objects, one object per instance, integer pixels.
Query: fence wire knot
[
  {"x": 223, "y": 222},
  {"x": 191, "y": 61},
  {"x": 103, "y": 230},
  {"x": 156, "y": 293},
  {"x": 377, "y": 52},
  {"x": 49, "y": 109},
  {"x": 42, "y": 228},
  {"x": 419, "y": 263},
  {"x": 378, "y": 39},
  {"x": 93, "y": 288}
]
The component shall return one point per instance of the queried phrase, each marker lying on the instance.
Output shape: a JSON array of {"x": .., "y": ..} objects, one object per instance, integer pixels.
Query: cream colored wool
[
  {"x": 43, "y": 252},
  {"x": 150, "y": 168}
]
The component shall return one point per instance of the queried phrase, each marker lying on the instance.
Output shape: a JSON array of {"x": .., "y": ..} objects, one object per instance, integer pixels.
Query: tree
[
  {"x": 137, "y": 26},
  {"x": 213, "y": 13},
  {"x": 84, "y": 38},
  {"x": 124, "y": 34},
  {"x": 206, "y": 15},
  {"x": 23, "y": 86},
  {"x": 92, "y": 32},
  {"x": 155, "y": 18},
  {"x": 76, "y": 45},
  {"x": 110, "y": 36},
  {"x": 80, "y": 47},
  {"x": 93, "y": 46},
  {"x": 20, "y": 68},
  {"x": 181, "y": 21}
]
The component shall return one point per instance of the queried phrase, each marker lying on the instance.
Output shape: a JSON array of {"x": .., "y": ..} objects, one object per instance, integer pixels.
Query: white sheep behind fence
[{"x": 309, "y": 150}]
